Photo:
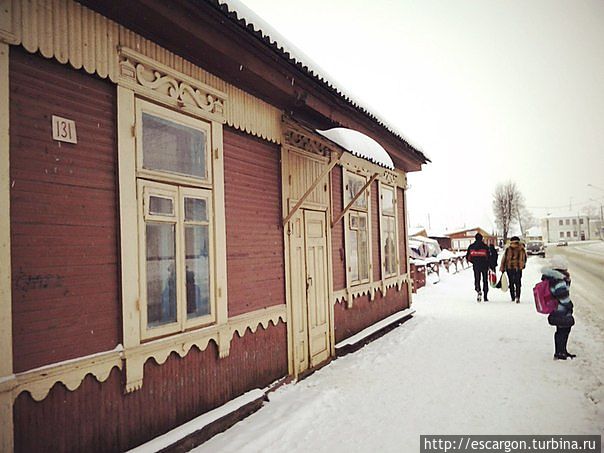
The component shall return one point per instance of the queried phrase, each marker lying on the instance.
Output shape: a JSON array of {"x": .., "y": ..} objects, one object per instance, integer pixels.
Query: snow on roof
[
  {"x": 271, "y": 36},
  {"x": 534, "y": 231},
  {"x": 415, "y": 230},
  {"x": 445, "y": 255},
  {"x": 423, "y": 239},
  {"x": 360, "y": 145}
]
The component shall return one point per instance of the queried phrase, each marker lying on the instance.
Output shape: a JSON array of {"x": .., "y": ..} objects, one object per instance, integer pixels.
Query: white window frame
[
  {"x": 146, "y": 189},
  {"x": 177, "y": 187},
  {"x": 394, "y": 216},
  {"x": 164, "y": 113},
  {"x": 359, "y": 211}
]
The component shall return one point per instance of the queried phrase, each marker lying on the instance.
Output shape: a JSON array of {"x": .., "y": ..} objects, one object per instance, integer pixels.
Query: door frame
[{"x": 287, "y": 205}]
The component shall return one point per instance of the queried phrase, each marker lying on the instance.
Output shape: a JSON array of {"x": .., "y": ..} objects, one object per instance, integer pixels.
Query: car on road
[
  {"x": 562, "y": 243},
  {"x": 535, "y": 248}
]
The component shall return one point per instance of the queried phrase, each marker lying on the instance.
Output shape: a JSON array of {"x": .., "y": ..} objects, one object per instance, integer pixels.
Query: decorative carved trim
[
  {"x": 296, "y": 135},
  {"x": 221, "y": 335},
  {"x": 71, "y": 373},
  {"x": 155, "y": 80},
  {"x": 364, "y": 167},
  {"x": 349, "y": 294}
]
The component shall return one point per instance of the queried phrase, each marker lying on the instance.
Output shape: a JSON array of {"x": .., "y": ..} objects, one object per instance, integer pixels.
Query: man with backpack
[{"x": 478, "y": 254}]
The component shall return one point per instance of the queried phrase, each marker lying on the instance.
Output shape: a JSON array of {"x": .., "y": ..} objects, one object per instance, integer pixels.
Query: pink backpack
[{"x": 544, "y": 301}]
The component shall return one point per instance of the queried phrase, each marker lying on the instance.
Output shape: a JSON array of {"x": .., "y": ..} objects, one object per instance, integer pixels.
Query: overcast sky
[{"x": 489, "y": 90}]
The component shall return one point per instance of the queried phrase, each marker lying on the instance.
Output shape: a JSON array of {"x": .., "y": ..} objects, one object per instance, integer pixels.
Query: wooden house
[
  {"x": 461, "y": 239},
  {"x": 174, "y": 229}
]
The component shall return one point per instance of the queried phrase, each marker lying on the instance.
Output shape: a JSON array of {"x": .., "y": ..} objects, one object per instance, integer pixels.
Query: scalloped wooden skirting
[
  {"x": 369, "y": 289},
  {"x": 71, "y": 373}
]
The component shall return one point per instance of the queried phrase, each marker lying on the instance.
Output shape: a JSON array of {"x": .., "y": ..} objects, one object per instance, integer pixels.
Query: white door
[{"x": 309, "y": 289}]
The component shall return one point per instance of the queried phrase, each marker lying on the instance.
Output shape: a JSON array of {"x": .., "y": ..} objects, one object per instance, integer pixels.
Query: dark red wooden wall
[
  {"x": 64, "y": 223},
  {"x": 98, "y": 417},
  {"x": 337, "y": 232},
  {"x": 365, "y": 312},
  {"x": 255, "y": 261}
]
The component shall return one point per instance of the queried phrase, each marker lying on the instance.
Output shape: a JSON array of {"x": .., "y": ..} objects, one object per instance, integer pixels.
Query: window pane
[
  {"x": 389, "y": 245},
  {"x": 195, "y": 210},
  {"x": 387, "y": 201},
  {"x": 173, "y": 147},
  {"x": 161, "y": 206},
  {"x": 362, "y": 222},
  {"x": 197, "y": 248},
  {"x": 354, "y": 184},
  {"x": 161, "y": 274},
  {"x": 363, "y": 256},
  {"x": 353, "y": 259}
]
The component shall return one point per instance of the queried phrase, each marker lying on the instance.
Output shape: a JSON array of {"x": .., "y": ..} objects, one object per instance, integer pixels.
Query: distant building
[
  {"x": 534, "y": 234},
  {"x": 596, "y": 226},
  {"x": 461, "y": 240},
  {"x": 443, "y": 240},
  {"x": 567, "y": 228}
]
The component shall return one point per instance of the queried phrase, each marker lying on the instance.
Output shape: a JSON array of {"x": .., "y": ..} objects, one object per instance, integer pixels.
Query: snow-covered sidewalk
[{"x": 457, "y": 367}]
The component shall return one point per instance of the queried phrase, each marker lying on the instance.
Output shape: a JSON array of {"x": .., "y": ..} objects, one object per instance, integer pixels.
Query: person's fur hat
[
  {"x": 478, "y": 237},
  {"x": 515, "y": 238}
]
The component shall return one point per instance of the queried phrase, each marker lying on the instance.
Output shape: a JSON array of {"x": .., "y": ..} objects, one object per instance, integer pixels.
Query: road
[{"x": 586, "y": 265}]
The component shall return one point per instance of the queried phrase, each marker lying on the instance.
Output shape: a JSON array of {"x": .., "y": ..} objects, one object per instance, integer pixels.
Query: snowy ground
[{"x": 458, "y": 367}]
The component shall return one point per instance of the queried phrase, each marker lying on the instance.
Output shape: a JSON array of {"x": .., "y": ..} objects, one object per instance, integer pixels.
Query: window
[
  {"x": 568, "y": 234},
  {"x": 574, "y": 221},
  {"x": 581, "y": 221},
  {"x": 357, "y": 231},
  {"x": 567, "y": 221},
  {"x": 388, "y": 231},
  {"x": 561, "y": 234},
  {"x": 574, "y": 233},
  {"x": 560, "y": 222},
  {"x": 174, "y": 183}
]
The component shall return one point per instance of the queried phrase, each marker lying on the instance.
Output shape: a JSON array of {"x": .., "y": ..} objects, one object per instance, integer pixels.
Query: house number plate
[{"x": 63, "y": 130}]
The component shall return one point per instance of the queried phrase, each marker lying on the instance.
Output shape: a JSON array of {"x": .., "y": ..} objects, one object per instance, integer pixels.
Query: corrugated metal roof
[{"x": 246, "y": 18}]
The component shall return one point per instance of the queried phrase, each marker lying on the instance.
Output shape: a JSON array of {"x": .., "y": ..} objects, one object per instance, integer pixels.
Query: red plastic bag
[
  {"x": 492, "y": 279},
  {"x": 544, "y": 301}
]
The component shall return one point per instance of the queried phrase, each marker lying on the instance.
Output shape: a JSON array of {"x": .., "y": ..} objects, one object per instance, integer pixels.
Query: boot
[
  {"x": 560, "y": 356},
  {"x": 479, "y": 297}
]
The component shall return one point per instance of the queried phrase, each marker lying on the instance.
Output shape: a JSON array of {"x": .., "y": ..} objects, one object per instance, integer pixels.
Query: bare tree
[
  {"x": 526, "y": 219},
  {"x": 508, "y": 202}
]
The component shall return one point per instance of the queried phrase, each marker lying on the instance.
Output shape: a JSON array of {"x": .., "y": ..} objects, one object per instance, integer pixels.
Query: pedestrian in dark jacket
[
  {"x": 493, "y": 255},
  {"x": 512, "y": 262},
  {"x": 562, "y": 318},
  {"x": 478, "y": 255}
]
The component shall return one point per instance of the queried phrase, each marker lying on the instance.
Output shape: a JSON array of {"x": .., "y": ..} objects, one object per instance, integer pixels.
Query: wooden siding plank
[
  {"x": 365, "y": 312},
  {"x": 174, "y": 393},
  {"x": 337, "y": 232},
  {"x": 253, "y": 213},
  {"x": 64, "y": 221}
]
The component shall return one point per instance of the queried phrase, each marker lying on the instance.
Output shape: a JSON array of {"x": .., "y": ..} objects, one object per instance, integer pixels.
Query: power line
[{"x": 566, "y": 205}]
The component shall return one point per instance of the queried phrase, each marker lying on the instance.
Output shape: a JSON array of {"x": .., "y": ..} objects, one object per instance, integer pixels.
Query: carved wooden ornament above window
[{"x": 157, "y": 81}]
